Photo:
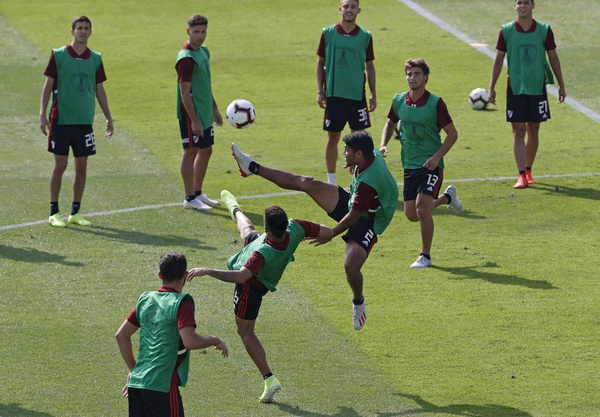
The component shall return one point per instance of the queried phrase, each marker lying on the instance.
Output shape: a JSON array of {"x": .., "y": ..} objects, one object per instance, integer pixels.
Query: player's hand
[
  {"x": 223, "y": 348},
  {"x": 372, "y": 103},
  {"x": 492, "y": 95},
  {"x": 197, "y": 129},
  {"x": 44, "y": 124},
  {"x": 125, "y": 390},
  {"x": 325, "y": 235},
  {"x": 384, "y": 150},
  {"x": 431, "y": 163},
  {"x": 322, "y": 100},
  {"x": 196, "y": 272},
  {"x": 218, "y": 117},
  {"x": 109, "y": 129},
  {"x": 561, "y": 95}
]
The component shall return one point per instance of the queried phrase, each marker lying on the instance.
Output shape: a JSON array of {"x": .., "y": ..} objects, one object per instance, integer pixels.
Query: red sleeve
[
  {"x": 365, "y": 198},
  {"x": 51, "y": 70},
  {"x": 100, "y": 74},
  {"x": 310, "y": 229},
  {"x": 132, "y": 318},
  {"x": 550, "y": 43},
  {"x": 321, "y": 48},
  {"x": 443, "y": 116},
  {"x": 255, "y": 263},
  {"x": 392, "y": 115},
  {"x": 370, "y": 53},
  {"x": 185, "y": 314},
  {"x": 501, "y": 44},
  {"x": 185, "y": 67}
]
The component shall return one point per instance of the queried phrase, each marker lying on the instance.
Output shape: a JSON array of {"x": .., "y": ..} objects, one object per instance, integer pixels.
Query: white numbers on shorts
[
  {"x": 432, "y": 179},
  {"x": 89, "y": 140},
  {"x": 543, "y": 107},
  {"x": 363, "y": 115}
]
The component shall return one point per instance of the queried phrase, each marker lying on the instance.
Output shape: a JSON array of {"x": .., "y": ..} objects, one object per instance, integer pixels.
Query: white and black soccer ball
[
  {"x": 479, "y": 99},
  {"x": 240, "y": 113}
]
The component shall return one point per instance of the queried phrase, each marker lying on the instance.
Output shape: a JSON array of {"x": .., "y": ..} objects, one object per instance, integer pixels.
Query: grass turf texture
[{"x": 504, "y": 325}]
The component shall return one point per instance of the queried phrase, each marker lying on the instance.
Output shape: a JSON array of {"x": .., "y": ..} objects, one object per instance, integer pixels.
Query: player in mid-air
[
  {"x": 256, "y": 270},
  {"x": 197, "y": 112},
  {"x": 74, "y": 77},
  {"x": 523, "y": 42},
  {"x": 344, "y": 62},
  {"x": 362, "y": 214}
]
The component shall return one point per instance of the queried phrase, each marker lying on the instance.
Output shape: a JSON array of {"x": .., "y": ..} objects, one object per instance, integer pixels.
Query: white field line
[
  {"x": 491, "y": 53},
  {"x": 285, "y": 193}
]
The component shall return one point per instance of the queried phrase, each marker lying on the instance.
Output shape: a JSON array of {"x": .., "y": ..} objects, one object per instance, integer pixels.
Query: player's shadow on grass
[
  {"x": 296, "y": 411},
  {"x": 13, "y": 410},
  {"x": 468, "y": 410},
  {"x": 474, "y": 272},
  {"x": 141, "y": 238},
  {"x": 31, "y": 255},
  {"x": 561, "y": 190}
]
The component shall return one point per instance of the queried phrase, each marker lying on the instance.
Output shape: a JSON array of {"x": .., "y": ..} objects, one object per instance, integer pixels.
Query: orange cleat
[
  {"x": 529, "y": 178},
  {"x": 521, "y": 182}
]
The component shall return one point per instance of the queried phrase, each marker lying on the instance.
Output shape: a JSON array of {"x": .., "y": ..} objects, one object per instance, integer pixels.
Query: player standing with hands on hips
[
  {"x": 197, "y": 111},
  {"x": 74, "y": 77},
  {"x": 345, "y": 61},
  {"x": 422, "y": 116},
  {"x": 523, "y": 42}
]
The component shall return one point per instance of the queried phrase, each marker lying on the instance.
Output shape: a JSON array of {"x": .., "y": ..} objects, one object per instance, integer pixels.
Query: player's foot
[
  {"x": 359, "y": 315},
  {"x": 272, "y": 387},
  {"x": 56, "y": 220},
  {"x": 529, "y": 178},
  {"x": 421, "y": 262},
  {"x": 78, "y": 219},
  {"x": 196, "y": 204},
  {"x": 521, "y": 182},
  {"x": 455, "y": 202},
  {"x": 204, "y": 198},
  {"x": 243, "y": 160},
  {"x": 230, "y": 202}
]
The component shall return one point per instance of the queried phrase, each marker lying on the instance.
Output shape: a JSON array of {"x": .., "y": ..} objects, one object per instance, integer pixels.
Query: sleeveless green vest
[
  {"x": 76, "y": 87},
  {"x": 159, "y": 342},
  {"x": 419, "y": 134},
  {"x": 526, "y": 56},
  {"x": 201, "y": 85},
  {"x": 379, "y": 177},
  {"x": 275, "y": 260},
  {"x": 345, "y": 58}
]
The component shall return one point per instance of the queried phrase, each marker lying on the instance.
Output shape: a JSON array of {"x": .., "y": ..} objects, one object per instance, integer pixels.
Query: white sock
[{"x": 331, "y": 177}]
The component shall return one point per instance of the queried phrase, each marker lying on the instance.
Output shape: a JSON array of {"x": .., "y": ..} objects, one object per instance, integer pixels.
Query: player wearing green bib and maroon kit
[
  {"x": 197, "y": 112},
  {"x": 362, "y": 214},
  {"x": 256, "y": 270},
  {"x": 165, "y": 319},
  {"x": 74, "y": 78},
  {"x": 422, "y": 116},
  {"x": 344, "y": 63},
  {"x": 525, "y": 43}
]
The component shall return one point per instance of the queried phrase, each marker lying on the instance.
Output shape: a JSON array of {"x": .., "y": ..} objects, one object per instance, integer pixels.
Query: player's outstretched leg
[{"x": 325, "y": 194}]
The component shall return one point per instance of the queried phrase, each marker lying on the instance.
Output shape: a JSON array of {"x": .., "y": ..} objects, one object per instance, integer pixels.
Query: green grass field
[{"x": 505, "y": 325}]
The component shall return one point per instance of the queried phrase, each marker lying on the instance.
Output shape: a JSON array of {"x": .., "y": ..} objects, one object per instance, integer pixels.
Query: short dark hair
[
  {"x": 79, "y": 19},
  {"x": 172, "y": 266},
  {"x": 360, "y": 141},
  {"x": 276, "y": 221},
  {"x": 417, "y": 63},
  {"x": 196, "y": 20}
]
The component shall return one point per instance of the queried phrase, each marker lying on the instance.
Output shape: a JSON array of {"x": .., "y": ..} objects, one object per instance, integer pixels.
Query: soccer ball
[
  {"x": 479, "y": 99},
  {"x": 240, "y": 113}
]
